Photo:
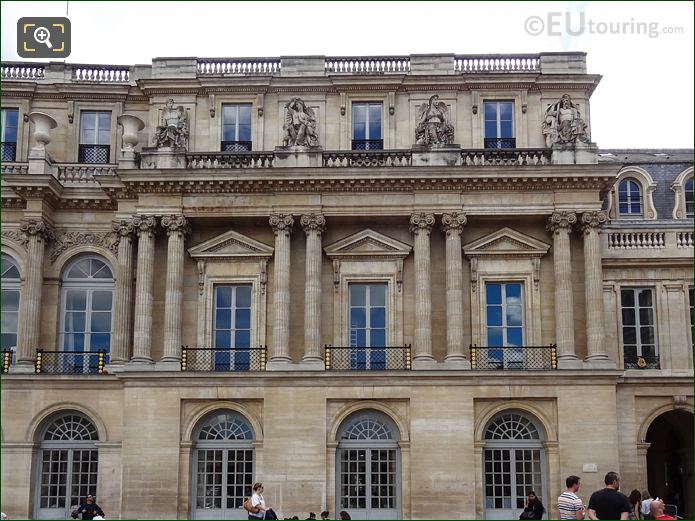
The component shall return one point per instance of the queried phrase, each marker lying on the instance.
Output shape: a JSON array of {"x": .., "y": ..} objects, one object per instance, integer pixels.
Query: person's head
[
  {"x": 170, "y": 102},
  {"x": 532, "y": 497},
  {"x": 312, "y": 515},
  {"x": 635, "y": 497},
  {"x": 433, "y": 99},
  {"x": 89, "y": 498},
  {"x": 573, "y": 483},
  {"x": 657, "y": 508},
  {"x": 612, "y": 480},
  {"x": 646, "y": 494},
  {"x": 324, "y": 514},
  {"x": 344, "y": 515},
  {"x": 258, "y": 488}
]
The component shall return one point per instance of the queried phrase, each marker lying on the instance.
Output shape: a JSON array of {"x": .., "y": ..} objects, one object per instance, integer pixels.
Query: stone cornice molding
[
  {"x": 145, "y": 224},
  {"x": 313, "y": 223},
  {"x": 453, "y": 223},
  {"x": 177, "y": 224},
  {"x": 421, "y": 222},
  {"x": 561, "y": 221},
  {"x": 593, "y": 221},
  {"x": 281, "y": 223}
]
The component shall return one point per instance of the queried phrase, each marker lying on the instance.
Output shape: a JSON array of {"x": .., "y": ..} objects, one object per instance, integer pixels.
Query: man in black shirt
[
  {"x": 89, "y": 508},
  {"x": 609, "y": 503}
]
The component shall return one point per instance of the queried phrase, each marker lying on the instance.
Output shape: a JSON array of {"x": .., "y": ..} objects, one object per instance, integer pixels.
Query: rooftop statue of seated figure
[
  {"x": 563, "y": 123},
  {"x": 172, "y": 130}
]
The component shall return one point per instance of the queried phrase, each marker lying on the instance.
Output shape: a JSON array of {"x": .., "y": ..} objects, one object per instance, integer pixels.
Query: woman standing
[
  {"x": 534, "y": 508},
  {"x": 635, "y": 500}
]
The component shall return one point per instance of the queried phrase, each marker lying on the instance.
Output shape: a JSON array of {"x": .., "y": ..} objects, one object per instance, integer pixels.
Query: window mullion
[
  {"x": 498, "y": 115},
  {"x": 4, "y": 123}
]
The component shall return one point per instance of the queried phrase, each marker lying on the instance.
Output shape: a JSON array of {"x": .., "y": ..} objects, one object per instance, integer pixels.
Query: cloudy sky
[{"x": 644, "y": 50}]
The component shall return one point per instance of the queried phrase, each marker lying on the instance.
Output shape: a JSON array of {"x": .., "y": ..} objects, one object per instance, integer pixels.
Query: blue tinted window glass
[
  {"x": 243, "y": 339},
  {"x": 223, "y": 319},
  {"x": 374, "y": 130},
  {"x": 243, "y": 318},
  {"x": 243, "y": 296},
  {"x": 377, "y": 317},
  {"x": 494, "y": 315},
  {"x": 358, "y": 317},
  {"x": 636, "y": 207},
  {"x": 11, "y": 118},
  {"x": 506, "y": 112},
  {"x": 377, "y": 295},
  {"x": 494, "y": 336},
  {"x": 513, "y": 292},
  {"x": 101, "y": 322},
  {"x": 9, "y": 131},
  {"x": 490, "y": 111},
  {"x": 493, "y": 293},
  {"x": 359, "y": 113},
  {"x": 104, "y": 119},
  {"x": 222, "y": 339},
  {"x": 100, "y": 341},
  {"x": 622, "y": 189},
  {"x": 224, "y": 297},
  {"x": 514, "y": 316},
  {"x": 229, "y": 114},
  {"x": 358, "y": 338},
  {"x": 76, "y": 300},
  {"x": 491, "y": 129},
  {"x": 357, "y": 295},
  {"x": 245, "y": 114},
  {"x": 515, "y": 336},
  {"x": 244, "y": 133},
  {"x": 359, "y": 131},
  {"x": 74, "y": 342},
  {"x": 378, "y": 338},
  {"x": 506, "y": 129},
  {"x": 75, "y": 321}
]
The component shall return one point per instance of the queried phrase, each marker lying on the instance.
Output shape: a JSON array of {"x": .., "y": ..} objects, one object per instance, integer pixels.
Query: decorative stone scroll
[{"x": 433, "y": 124}]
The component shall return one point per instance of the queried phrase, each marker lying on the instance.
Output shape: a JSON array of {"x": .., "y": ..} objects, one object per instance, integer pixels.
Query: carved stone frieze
[
  {"x": 65, "y": 240},
  {"x": 559, "y": 221},
  {"x": 16, "y": 236}
]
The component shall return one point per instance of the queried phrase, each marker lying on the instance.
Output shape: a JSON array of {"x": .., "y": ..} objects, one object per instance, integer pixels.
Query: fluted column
[
  {"x": 176, "y": 227},
  {"x": 421, "y": 226},
  {"x": 145, "y": 226},
  {"x": 591, "y": 223},
  {"x": 452, "y": 226},
  {"x": 313, "y": 226},
  {"x": 560, "y": 225},
  {"x": 123, "y": 297},
  {"x": 37, "y": 233},
  {"x": 282, "y": 228}
]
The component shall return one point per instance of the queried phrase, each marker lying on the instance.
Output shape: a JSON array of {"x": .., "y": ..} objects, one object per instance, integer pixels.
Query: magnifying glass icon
[{"x": 42, "y": 35}]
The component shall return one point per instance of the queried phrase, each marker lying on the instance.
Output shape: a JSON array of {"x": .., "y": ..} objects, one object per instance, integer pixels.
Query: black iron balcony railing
[
  {"x": 642, "y": 361},
  {"x": 7, "y": 359},
  {"x": 9, "y": 150},
  {"x": 367, "y": 144},
  {"x": 215, "y": 359},
  {"x": 94, "y": 154},
  {"x": 499, "y": 142},
  {"x": 70, "y": 362},
  {"x": 236, "y": 146},
  {"x": 367, "y": 358},
  {"x": 514, "y": 358}
]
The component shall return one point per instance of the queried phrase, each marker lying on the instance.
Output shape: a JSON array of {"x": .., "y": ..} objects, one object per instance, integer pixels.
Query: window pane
[
  {"x": 627, "y": 298},
  {"x": 222, "y": 339},
  {"x": 243, "y": 319},
  {"x": 646, "y": 316},
  {"x": 245, "y": 114},
  {"x": 358, "y": 317},
  {"x": 359, "y": 131},
  {"x": 89, "y": 120},
  {"x": 223, "y": 319},
  {"x": 494, "y": 315},
  {"x": 647, "y": 335},
  {"x": 243, "y": 339},
  {"x": 629, "y": 336},
  {"x": 490, "y": 111},
  {"x": 514, "y": 316},
  {"x": 359, "y": 113},
  {"x": 101, "y": 300},
  {"x": 243, "y": 296},
  {"x": 357, "y": 295},
  {"x": 378, "y": 338},
  {"x": 75, "y": 321},
  {"x": 515, "y": 336},
  {"x": 104, "y": 120},
  {"x": 645, "y": 297},
  {"x": 244, "y": 133},
  {"x": 101, "y": 322},
  {"x": 628, "y": 317},
  {"x": 506, "y": 129},
  {"x": 10, "y": 300},
  {"x": 377, "y": 317},
  {"x": 493, "y": 293},
  {"x": 100, "y": 341},
  {"x": 491, "y": 129},
  {"x": 104, "y": 137},
  {"x": 377, "y": 295},
  {"x": 494, "y": 336},
  {"x": 506, "y": 111},
  {"x": 229, "y": 113},
  {"x": 224, "y": 297}
]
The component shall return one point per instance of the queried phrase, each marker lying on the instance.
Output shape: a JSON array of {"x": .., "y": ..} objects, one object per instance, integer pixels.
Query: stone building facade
[{"x": 406, "y": 287}]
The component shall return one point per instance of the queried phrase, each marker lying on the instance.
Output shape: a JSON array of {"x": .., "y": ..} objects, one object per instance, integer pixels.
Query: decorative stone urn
[
  {"x": 131, "y": 126},
  {"x": 43, "y": 124}
]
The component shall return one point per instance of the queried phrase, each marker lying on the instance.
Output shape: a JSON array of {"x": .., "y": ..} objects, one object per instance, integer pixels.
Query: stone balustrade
[
  {"x": 366, "y": 159},
  {"x": 230, "y": 160},
  {"x": 238, "y": 66},
  {"x": 101, "y": 73},
  {"x": 472, "y": 63},
  {"x": 83, "y": 173},
  {"x": 506, "y": 157},
  {"x": 636, "y": 240},
  {"x": 367, "y": 65},
  {"x": 684, "y": 239},
  {"x": 14, "y": 168},
  {"x": 22, "y": 71}
]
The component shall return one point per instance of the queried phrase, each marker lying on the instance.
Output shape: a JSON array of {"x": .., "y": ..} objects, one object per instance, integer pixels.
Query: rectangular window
[
  {"x": 692, "y": 323},
  {"x": 504, "y": 314},
  {"x": 10, "y": 318},
  {"x": 10, "y": 119},
  {"x": 499, "y": 124},
  {"x": 236, "y": 127},
  {"x": 95, "y": 137},
  {"x": 366, "y": 126},
  {"x": 368, "y": 326},
  {"x": 232, "y": 327},
  {"x": 639, "y": 328}
]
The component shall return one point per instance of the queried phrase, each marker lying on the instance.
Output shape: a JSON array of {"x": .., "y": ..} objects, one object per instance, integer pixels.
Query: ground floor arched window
[
  {"x": 513, "y": 464},
  {"x": 368, "y": 467},
  {"x": 68, "y": 462},
  {"x": 223, "y": 466}
]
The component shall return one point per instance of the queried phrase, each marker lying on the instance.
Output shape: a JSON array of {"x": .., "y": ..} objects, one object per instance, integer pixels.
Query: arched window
[
  {"x": 10, "y": 302},
  {"x": 223, "y": 466},
  {"x": 514, "y": 462},
  {"x": 368, "y": 467},
  {"x": 87, "y": 304},
  {"x": 688, "y": 192},
  {"x": 68, "y": 465},
  {"x": 629, "y": 198}
]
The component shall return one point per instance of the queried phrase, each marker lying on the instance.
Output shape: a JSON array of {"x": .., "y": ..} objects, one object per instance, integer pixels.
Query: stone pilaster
[
  {"x": 421, "y": 226},
  {"x": 280, "y": 351},
  {"x": 560, "y": 225},
  {"x": 123, "y": 297},
  {"x": 452, "y": 226},
  {"x": 313, "y": 226},
  {"x": 591, "y": 223},
  {"x": 145, "y": 226},
  {"x": 37, "y": 234},
  {"x": 176, "y": 227}
]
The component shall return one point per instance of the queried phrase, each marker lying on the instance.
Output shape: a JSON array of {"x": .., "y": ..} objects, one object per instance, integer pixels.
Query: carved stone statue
[
  {"x": 433, "y": 125},
  {"x": 563, "y": 123},
  {"x": 300, "y": 125},
  {"x": 172, "y": 130}
]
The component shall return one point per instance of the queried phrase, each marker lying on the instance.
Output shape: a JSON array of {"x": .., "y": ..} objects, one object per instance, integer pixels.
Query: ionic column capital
[
  {"x": 313, "y": 223},
  {"x": 453, "y": 223},
  {"x": 123, "y": 227},
  {"x": 593, "y": 221},
  {"x": 561, "y": 221},
  {"x": 145, "y": 225},
  {"x": 37, "y": 228},
  {"x": 421, "y": 222},
  {"x": 175, "y": 224},
  {"x": 281, "y": 223}
]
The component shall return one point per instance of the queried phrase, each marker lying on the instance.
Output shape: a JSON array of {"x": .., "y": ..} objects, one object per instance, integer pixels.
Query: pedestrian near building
[
  {"x": 89, "y": 509},
  {"x": 609, "y": 503},
  {"x": 259, "y": 508},
  {"x": 645, "y": 505},
  {"x": 324, "y": 515},
  {"x": 534, "y": 508},
  {"x": 635, "y": 499},
  {"x": 344, "y": 515},
  {"x": 657, "y": 508},
  {"x": 568, "y": 503}
]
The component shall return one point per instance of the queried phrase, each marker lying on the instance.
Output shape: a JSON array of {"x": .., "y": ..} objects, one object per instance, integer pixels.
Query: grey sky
[{"x": 645, "y": 99}]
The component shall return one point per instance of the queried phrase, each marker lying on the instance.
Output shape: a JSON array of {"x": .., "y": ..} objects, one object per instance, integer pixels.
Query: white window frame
[
  {"x": 236, "y": 106},
  {"x": 633, "y": 185},
  {"x": 367, "y": 105},
  {"x": 98, "y": 115},
  {"x": 367, "y": 307},
  {"x": 637, "y": 325},
  {"x": 497, "y": 104},
  {"x": 4, "y": 123},
  {"x": 647, "y": 187},
  {"x": 504, "y": 325},
  {"x": 678, "y": 187},
  {"x": 14, "y": 285}
]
